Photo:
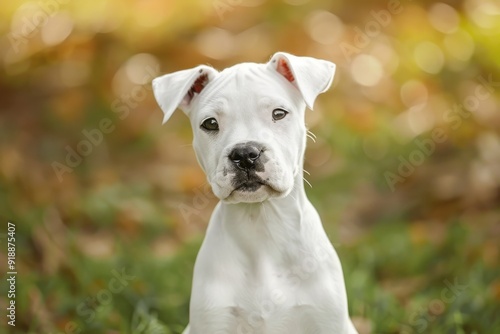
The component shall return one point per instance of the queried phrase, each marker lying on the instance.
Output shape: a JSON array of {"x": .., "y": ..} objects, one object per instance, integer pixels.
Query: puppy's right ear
[{"x": 178, "y": 89}]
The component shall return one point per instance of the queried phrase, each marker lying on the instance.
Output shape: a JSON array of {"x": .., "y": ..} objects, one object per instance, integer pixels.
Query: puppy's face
[
  {"x": 249, "y": 133},
  {"x": 248, "y": 122}
]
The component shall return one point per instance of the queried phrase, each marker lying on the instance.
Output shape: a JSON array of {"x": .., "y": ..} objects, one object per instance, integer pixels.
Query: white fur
[{"x": 266, "y": 265}]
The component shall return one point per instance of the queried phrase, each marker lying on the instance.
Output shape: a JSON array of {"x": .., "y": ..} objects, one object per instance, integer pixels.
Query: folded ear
[
  {"x": 310, "y": 76},
  {"x": 178, "y": 89}
]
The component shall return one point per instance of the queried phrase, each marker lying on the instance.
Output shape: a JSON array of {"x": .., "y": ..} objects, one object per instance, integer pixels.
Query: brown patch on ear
[
  {"x": 284, "y": 70},
  {"x": 198, "y": 85}
]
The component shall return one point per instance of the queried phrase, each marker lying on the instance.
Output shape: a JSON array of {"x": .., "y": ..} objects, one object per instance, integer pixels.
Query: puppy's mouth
[
  {"x": 249, "y": 186},
  {"x": 248, "y": 183}
]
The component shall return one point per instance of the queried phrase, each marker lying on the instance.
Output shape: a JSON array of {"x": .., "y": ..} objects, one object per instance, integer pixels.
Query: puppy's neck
[{"x": 267, "y": 229}]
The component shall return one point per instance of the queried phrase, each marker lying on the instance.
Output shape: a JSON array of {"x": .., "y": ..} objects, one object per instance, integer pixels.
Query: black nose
[{"x": 245, "y": 155}]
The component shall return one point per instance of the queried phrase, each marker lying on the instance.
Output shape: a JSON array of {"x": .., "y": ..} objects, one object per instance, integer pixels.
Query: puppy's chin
[{"x": 251, "y": 194}]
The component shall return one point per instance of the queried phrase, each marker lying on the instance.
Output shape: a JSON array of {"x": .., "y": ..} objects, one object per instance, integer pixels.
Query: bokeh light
[
  {"x": 366, "y": 70},
  {"x": 138, "y": 68},
  {"x": 414, "y": 93},
  {"x": 324, "y": 27},
  {"x": 484, "y": 13},
  {"x": 429, "y": 57},
  {"x": 444, "y": 18},
  {"x": 57, "y": 28},
  {"x": 460, "y": 45},
  {"x": 216, "y": 43}
]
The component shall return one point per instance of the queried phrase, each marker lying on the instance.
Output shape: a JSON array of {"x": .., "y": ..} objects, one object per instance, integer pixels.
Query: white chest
[
  {"x": 291, "y": 304},
  {"x": 263, "y": 297}
]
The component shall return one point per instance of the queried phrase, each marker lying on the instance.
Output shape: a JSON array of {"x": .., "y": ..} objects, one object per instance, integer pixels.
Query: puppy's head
[{"x": 248, "y": 121}]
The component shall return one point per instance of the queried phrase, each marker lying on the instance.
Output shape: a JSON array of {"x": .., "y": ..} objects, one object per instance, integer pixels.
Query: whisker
[
  {"x": 291, "y": 192},
  {"x": 264, "y": 212},
  {"x": 312, "y": 138},
  {"x": 310, "y": 185},
  {"x": 311, "y": 133},
  {"x": 306, "y": 172}
]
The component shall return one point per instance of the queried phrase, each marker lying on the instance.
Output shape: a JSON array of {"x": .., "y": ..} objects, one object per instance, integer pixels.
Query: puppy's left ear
[{"x": 310, "y": 76}]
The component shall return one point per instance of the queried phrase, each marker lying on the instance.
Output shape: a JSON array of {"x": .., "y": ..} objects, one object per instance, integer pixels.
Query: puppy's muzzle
[{"x": 246, "y": 156}]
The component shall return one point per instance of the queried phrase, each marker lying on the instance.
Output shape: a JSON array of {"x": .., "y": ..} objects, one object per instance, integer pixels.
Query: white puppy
[{"x": 266, "y": 265}]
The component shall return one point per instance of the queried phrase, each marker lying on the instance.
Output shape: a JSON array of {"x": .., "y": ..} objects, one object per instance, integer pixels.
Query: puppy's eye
[
  {"x": 279, "y": 114},
  {"x": 210, "y": 124}
]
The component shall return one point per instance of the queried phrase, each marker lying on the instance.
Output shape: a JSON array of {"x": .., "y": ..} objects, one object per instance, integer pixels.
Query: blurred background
[{"x": 110, "y": 206}]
